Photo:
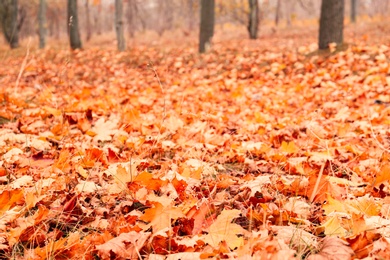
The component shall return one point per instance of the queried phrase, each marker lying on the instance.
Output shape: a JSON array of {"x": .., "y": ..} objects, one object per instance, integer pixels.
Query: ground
[{"x": 257, "y": 149}]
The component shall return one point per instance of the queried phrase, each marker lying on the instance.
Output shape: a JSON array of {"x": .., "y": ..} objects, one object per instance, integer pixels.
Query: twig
[
  {"x": 24, "y": 64},
  {"x": 314, "y": 193},
  {"x": 162, "y": 89}
]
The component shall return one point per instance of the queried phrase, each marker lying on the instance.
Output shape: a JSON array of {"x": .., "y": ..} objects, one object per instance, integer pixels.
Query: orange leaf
[
  {"x": 224, "y": 230},
  {"x": 289, "y": 148},
  {"x": 9, "y": 198},
  {"x": 126, "y": 245},
  {"x": 383, "y": 175}
]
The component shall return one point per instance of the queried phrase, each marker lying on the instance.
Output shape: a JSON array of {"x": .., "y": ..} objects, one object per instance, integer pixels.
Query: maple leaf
[
  {"x": 298, "y": 206},
  {"x": 9, "y": 198},
  {"x": 256, "y": 184},
  {"x": 199, "y": 215},
  {"x": 22, "y": 181},
  {"x": 87, "y": 187},
  {"x": 103, "y": 130},
  {"x": 333, "y": 227},
  {"x": 289, "y": 148},
  {"x": 223, "y": 230},
  {"x": 123, "y": 173},
  {"x": 160, "y": 217},
  {"x": 126, "y": 245},
  {"x": 366, "y": 205},
  {"x": 333, "y": 248},
  {"x": 296, "y": 237},
  {"x": 383, "y": 175},
  {"x": 66, "y": 247},
  {"x": 332, "y": 205},
  {"x": 12, "y": 155}
]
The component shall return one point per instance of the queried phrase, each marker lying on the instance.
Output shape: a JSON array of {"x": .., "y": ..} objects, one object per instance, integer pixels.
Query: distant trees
[
  {"x": 119, "y": 25},
  {"x": 88, "y": 27},
  {"x": 42, "y": 23},
  {"x": 253, "y": 21},
  {"x": 353, "y": 10},
  {"x": 277, "y": 12},
  {"x": 9, "y": 21},
  {"x": 73, "y": 22},
  {"x": 331, "y": 23},
  {"x": 85, "y": 18},
  {"x": 132, "y": 10},
  {"x": 206, "y": 32}
]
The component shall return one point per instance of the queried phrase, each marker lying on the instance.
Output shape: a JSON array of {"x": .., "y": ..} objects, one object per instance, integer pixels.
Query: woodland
[{"x": 265, "y": 148}]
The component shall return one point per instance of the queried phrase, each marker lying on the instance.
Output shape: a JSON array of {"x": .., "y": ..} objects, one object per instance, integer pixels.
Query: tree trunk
[
  {"x": 253, "y": 19},
  {"x": 206, "y": 25},
  {"x": 353, "y": 10},
  {"x": 331, "y": 23},
  {"x": 119, "y": 25},
  {"x": 277, "y": 13},
  {"x": 130, "y": 17},
  {"x": 74, "y": 34},
  {"x": 88, "y": 21},
  {"x": 288, "y": 12},
  {"x": 191, "y": 18},
  {"x": 42, "y": 23},
  {"x": 9, "y": 21}
]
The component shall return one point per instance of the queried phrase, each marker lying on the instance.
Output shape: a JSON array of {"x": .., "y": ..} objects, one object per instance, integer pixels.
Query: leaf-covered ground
[{"x": 255, "y": 150}]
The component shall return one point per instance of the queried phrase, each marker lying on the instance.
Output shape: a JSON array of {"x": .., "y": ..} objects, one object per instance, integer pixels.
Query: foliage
[{"x": 246, "y": 151}]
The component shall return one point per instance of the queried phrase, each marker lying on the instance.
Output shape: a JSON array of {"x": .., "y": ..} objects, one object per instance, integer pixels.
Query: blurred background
[{"x": 151, "y": 21}]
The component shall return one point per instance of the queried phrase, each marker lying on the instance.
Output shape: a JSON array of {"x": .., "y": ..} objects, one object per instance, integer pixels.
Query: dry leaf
[
  {"x": 224, "y": 230},
  {"x": 126, "y": 245},
  {"x": 333, "y": 248}
]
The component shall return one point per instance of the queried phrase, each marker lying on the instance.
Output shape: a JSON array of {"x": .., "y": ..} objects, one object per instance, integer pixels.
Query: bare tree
[
  {"x": 353, "y": 10},
  {"x": 277, "y": 13},
  {"x": 191, "y": 11},
  {"x": 253, "y": 22},
  {"x": 74, "y": 34},
  {"x": 131, "y": 17},
  {"x": 42, "y": 23},
  {"x": 55, "y": 19},
  {"x": 119, "y": 25},
  {"x": 331, "y": 23},
  {"x": 97, "y": 19},
  {"x": 206, "y": 24},
  {"x": 165, "y": 16},
  {"x": 9, "y": 21},
  {"x": 88, "y": 21},
  {"x": 289, "y": 7}
]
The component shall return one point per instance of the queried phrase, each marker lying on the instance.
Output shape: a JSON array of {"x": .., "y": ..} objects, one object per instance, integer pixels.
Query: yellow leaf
[
  {"x": 289, "y": 147},
  {"x": 333, "y": 205},
  {"x": 160, "y": 217},
  {"x": 333, "y": 227},
  {"x": 80, "y": 170},
  {"x": 366, "y": 205},
  {"x": 9, "y": 198},
  {"x": 320, "y": 157},
  {"x": 224, "y": 230},
  {"x": 53, "y": 111}
]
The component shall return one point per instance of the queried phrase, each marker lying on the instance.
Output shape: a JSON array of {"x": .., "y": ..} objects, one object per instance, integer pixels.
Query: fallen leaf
[
  {"x": 223, "y": 230},
  {"x": 333, "y": 248}
]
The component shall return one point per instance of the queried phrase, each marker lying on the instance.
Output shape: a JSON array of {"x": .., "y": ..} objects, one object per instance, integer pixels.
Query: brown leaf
[
  {"x": 333, "y": 248},
  {"x": 126, "y": 245}
]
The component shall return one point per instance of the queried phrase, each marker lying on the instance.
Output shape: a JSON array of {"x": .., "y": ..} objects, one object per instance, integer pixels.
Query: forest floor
[{"x": 256, "y": 150}]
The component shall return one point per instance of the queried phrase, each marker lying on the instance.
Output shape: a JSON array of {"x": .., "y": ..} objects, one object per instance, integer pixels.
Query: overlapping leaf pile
[{"x": 243, "y": 152}]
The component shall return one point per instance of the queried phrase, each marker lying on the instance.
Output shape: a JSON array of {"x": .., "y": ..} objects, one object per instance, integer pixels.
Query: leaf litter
[{"x": 244, "y": 152}]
